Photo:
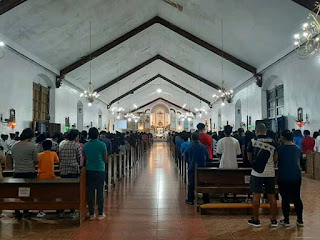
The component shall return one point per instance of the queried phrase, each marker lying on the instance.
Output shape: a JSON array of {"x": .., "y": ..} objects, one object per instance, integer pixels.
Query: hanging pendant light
[
  {"x": 307, "y": 42},
  {"x": 89, "y": 94},
  {"x": 224, "y": 95}
]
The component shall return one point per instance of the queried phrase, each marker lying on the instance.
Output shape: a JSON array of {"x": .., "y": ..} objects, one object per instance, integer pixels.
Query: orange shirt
[{"x": 47, "y": 159}]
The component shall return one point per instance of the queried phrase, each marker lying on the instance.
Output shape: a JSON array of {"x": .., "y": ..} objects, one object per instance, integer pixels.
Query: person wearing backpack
[{"x": 263, "y": 156}]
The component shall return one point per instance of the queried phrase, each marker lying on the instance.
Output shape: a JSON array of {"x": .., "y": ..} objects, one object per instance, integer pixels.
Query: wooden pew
[
  {"x": 45, "y": 194},
  {"x": 223, "y": 181}
]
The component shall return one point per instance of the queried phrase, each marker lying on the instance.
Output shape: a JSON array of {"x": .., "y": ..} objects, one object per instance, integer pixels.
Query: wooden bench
[
  {"x": 46, "y": 194},
  {"x": 223, "y": 181}
]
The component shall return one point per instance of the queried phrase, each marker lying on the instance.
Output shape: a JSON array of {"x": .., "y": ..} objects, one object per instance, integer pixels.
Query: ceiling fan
[{"x": 174, "y": 4}]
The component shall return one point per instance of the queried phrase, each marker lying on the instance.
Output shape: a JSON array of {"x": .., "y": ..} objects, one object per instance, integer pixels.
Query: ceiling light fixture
[
  {"x": 225, "y": 95},
  {"x": 2, "y": 44},
  {"x": 159, "y": 90},
  {"x": 307, "y": 43},
  {"x": 90, "y": 94}
]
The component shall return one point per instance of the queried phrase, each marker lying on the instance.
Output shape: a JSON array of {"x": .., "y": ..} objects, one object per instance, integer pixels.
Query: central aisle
[{"x": 148, "y": 205}]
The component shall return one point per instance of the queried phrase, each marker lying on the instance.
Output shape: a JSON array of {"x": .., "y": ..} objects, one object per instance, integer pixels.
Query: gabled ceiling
[{"x": 255, "y": 31}]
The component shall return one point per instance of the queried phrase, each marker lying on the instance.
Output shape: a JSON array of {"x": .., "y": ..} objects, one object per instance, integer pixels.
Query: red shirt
[
  {"x": 206, "y": 140},
  {"x": 307, "y": 144}
]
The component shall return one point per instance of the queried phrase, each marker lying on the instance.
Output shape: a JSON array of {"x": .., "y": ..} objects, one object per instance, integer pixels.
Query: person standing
[
  {"x": 47, "y": 159},
  {"x": 263, "y": 156},
  {"x": 298, "y": 137},
  {"x": 96, "y": 158},
  {"x": 289, "y": 178},
  {"x": 205, "y": 138},
  {"x": 196, "y": 154},
  {"x": 70, "y": 157},
  {"x": 307, "y": 145},
  {"x": 228, "y": 148},
  {"x": 25, "y": 156}
]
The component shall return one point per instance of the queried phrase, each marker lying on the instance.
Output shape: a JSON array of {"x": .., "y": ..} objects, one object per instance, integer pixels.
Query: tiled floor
[{"x": 149, "y": 204}]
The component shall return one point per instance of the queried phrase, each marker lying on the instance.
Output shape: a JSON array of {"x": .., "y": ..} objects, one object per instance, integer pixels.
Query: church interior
[{"x": 174, "y": 90}]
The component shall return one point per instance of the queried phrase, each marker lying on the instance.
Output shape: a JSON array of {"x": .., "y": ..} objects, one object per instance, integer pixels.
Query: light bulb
[
  {"x": 118, "y": 117},
  {"x": 189, "y": 119},
  {"x": 81, "y": 95},
  {"x": 159, "y": 90},
  {"x": 89, "y": 104},
  {"x": 223, "y": 104},
  {"x": 184, "y": 105},
  {"x": 231, "y": 91},
  {"x": 296, "y": 36},
  {"x": 220, "y": 91},
  {"x": 214, "y": 95},
  {"x": 2, "y": 44},
  {"x": 136, "y": 120},
  {"x": 305, "y": 34},
  {"x": 200, "y": 115},
  {"x": 135, "y": 106},
  {"x": 305, "y": 25},
  {"x": 317, "y": 39},
  {"x": 129, "y": 119},
  {"x": 296, "y": 43}
]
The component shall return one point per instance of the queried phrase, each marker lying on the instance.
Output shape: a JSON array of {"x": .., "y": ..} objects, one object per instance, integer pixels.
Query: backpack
[{"x": 262, "y": 151}]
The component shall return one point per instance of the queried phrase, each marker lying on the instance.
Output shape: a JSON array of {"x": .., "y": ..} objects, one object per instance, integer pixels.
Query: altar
[{"x": 160, "y": 121}]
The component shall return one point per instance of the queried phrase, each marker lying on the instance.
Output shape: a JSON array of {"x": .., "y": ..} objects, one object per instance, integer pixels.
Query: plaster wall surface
[{"x": 16, "y": 92}]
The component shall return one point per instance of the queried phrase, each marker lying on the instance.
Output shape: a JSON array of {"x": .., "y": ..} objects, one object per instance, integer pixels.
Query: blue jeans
[{"x": 95, "y": 181}]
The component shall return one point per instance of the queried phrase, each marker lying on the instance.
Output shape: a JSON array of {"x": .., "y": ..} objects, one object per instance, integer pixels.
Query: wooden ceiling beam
[
  {"x": 7, "y": 5},
  {"x": 146, "y": 63},
  {"x": 165, "y": 79},
  {"x": 165, "y": 100},
  {"x": 142, "y": 27},
  {"x": 309, "y": 4}
]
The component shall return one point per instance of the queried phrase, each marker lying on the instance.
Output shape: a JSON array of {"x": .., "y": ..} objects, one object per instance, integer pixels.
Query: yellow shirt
[{"x": 47, "y": 159}]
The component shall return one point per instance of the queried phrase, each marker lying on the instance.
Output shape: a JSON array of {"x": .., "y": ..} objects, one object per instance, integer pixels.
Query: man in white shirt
[
  {"x": 317, "y": 144},
  {"x": 228, "y": 148}
]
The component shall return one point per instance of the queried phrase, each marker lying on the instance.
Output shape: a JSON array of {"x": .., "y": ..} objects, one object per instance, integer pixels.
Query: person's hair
[
  {"x": 261, "y": 128},
  {"x": 47, "y": 145},
  {"x": 306, "y": 133},
  {"x": 84, "y": 134},
  {"x": 56, "y": 135},
  {"x": 185, "y": 136},
  {"x": 228, "y": 130},
  {"x": 195, "y": 136},
  {"x": 315, "y": 135},
  {"x": 93, "y": 133},
  {"x": 27, "y": 133},
  {"x": 40, "y": 138},
  {"x": 73, "y": 134},
  {"x": 287, "y": 135},
  {"x": 271, "y": 134},
  {"x": 12, "y": 135},
  {"x": 240, "y": 131},
  {"x": 201, "y": 126},
  {"x": 298, "y": 133}
]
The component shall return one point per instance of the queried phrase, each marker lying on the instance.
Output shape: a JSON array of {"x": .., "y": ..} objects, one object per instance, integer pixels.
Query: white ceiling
[{"x": 57, "y": 31}]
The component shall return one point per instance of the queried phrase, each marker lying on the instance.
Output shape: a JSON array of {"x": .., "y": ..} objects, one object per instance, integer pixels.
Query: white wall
[
  {"x": 16, "y": 91},
  {"x": 301, "y": 78},
  {"x": 16, "y": 77}
]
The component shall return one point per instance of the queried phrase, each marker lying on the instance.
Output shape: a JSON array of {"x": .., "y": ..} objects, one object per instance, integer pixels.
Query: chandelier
[
  {"x": 307, "y": 42},
  {"x": 187, "y": 115},
  {"x": 201, "y": 111},
  {"x": 89, "y": 94},
  {"x": 131, "y": 116},
  {"x": 117, "y": 110},
  {"x": 225, "y": 95}
]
